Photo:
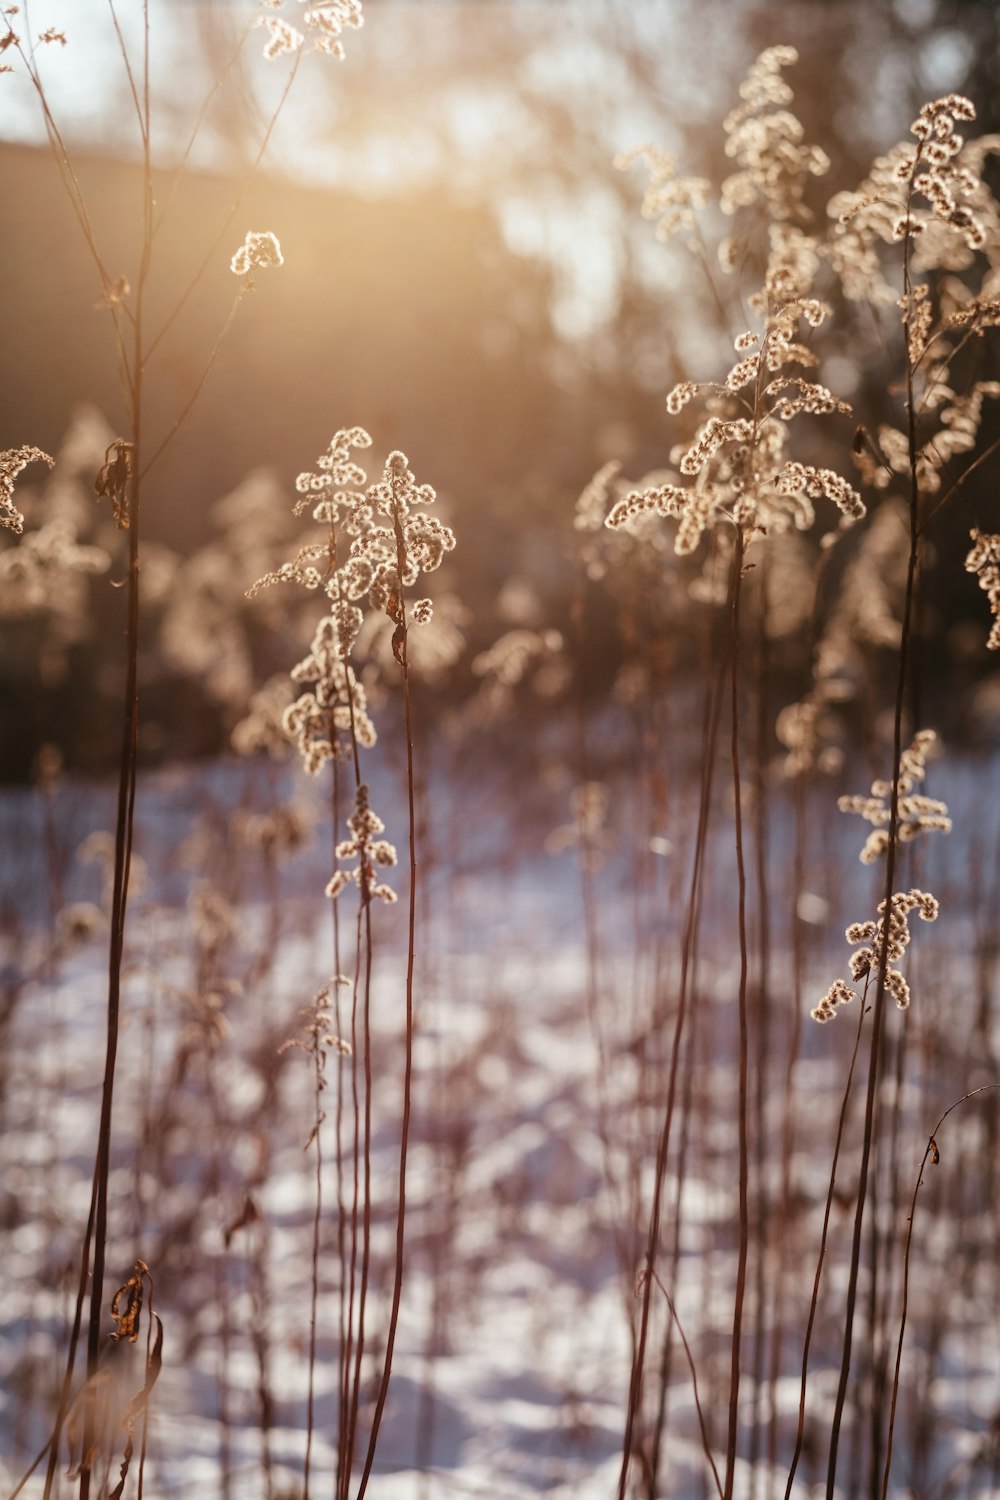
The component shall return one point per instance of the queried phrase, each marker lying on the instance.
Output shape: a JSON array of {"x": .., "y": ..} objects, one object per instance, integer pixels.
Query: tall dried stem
[
  {"x": 744, "y": 1158},
  {"x": 124, "y": 823},
  {"x": 878, "y": 1017},
  {"x": 400, "y": 646}
]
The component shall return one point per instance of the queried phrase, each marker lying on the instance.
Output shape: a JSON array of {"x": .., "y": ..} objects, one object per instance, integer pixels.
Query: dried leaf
[
  {"x": 127, "y": 1319},
  {"x": 113, "y": 480},
  {"x": 399, "y": 644}
]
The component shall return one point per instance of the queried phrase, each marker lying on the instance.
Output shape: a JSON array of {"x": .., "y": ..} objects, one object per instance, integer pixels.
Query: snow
[{"x": 530, "y": 1139}]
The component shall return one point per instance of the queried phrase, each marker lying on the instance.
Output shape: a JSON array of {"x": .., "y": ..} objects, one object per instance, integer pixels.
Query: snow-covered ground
[{"x": 540, "y": 1062}]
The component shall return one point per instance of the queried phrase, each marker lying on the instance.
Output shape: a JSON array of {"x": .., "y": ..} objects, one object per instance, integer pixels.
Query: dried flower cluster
[
  {"x": 260, "y": 248},
  {"x": 510, "y": 657},
  {"x": 12, "y": 462},
  {"x": 739, "y": 463},
  {"x": 392, "y": 543},
  {"x": 806, "y": 729},
  {"x": 737, "y": 468},
  {"x": 10, "y": 37},
  {"x": 885, "y": 458},
  {"x": 882, "y": 938},
  {"x": 323, "y": 722},
  {"x": 671, "y": 200},
  {"x": 765, "y": 139},
  {"x": 318, "y": 1036},
  {"x": 743, "y": 474},
  {"x": 881, "y": 211},
  {"x": 864, "y": 615},
  {"x": 262, "y": 727},
  {"x": 519, "y": 659},
  {"x": 45, "y": 568},
  {"x": 323, "y": 22},
  {"x": 277, "y": 833},
  {"x": 41, "y": 573},
  {"x": 917, "y": 813},
  {"x": 369, "y": 852},
  {"x": 984, "y": 561}
]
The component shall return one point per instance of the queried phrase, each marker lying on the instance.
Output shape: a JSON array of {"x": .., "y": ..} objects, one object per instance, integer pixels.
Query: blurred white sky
[
  {"x": 79, "y": 75},
  {"x": 87, "y": 87},
  {"x": 415, "y": 102}
]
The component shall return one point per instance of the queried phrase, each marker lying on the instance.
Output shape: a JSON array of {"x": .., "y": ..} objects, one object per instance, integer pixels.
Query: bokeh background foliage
[{"x": 464, "y": 270}]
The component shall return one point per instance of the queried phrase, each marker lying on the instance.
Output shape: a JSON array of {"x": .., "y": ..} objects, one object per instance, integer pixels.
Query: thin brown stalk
[
  {"x": 317, "y": 1136},
  {"x": 761, "y": 813},
  {"x": 795, "y": 1009},
  {"x": 360, "y": 1227},
  {"x": 879, "y": 1313},
  {"x": 959, "y": 482},
  {"x": 744, "y": 1167},
  {"x": 96, "y": 1236},
  {"x": 126, "y": 60},
  {"x": 397, "y": 1283},
  {"x": 878, "y": 1020},
  {"x": 347, "y": 1424},
  {"x": 364, "y": 915},
  {"x": 818, "y": 1275},
  {"x": 74, "y": 1339},
  {"x": 352, "y": 1313},
  {"x": 712, "y": 714},
  {"x": 361, "y": 1157},
  {"x": 931, "y": 1153},
  {"x": 260, "y": 1341},
  {"x": 688, "y": 1065},
  {"x": 787, "y": 1128},
  {"x": 144, "y": 1440},
  {"x": 706, "y": 1445},
  {"x": 124, "y": 825},
  {"x": 319, "y": 1116}
]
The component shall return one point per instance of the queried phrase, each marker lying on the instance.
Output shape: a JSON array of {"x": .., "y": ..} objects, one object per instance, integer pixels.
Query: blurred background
[{"x": 466, "y": 275}]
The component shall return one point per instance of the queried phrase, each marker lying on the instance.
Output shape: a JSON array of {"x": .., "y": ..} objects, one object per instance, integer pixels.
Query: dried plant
[
  {"x": 391, "y": 543},
  {"x": 127, "y": 462},
  {"x": 757, "y": 604},
  {"x": 737, "y": 473}
]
